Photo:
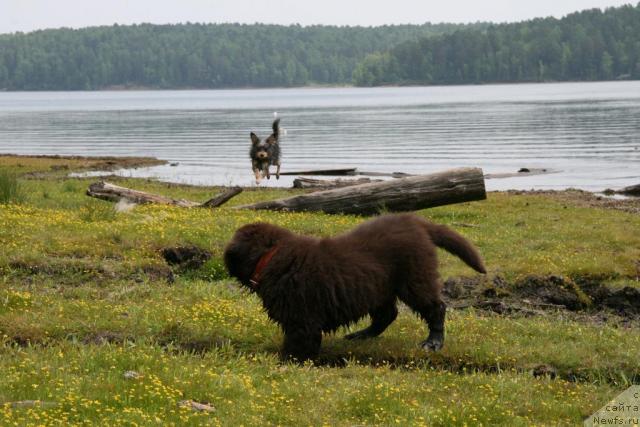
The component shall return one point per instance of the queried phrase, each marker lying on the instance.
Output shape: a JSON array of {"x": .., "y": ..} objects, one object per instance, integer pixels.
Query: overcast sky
[{"x": 29, "y": 15}]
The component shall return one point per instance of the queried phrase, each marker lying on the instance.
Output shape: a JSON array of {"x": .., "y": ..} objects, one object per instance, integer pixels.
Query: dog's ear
[{"x": 254, "y": 138}]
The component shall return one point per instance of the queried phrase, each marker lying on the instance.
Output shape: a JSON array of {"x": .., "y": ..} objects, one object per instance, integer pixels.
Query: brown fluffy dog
[{"x": 310, "y": 285}]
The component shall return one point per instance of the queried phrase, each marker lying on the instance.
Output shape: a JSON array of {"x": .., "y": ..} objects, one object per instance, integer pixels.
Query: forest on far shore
[
  {"x": 583, "y": 46},
  {"x": 587, "y": 45}
]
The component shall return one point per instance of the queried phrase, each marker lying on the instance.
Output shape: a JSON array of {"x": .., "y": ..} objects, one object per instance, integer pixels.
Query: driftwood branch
[
  {"x": 386, "y": 174},
  {"x": 222, "y": 198},
  {"x": 403, "y": 194},
  {"x": 114, "y": 193}
]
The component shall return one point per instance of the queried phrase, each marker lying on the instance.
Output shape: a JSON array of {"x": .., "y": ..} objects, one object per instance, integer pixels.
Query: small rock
[
  {"x": 124, "y": 206},
  {"x": 524, "y": 170},
  {"x": 132, "y": 375},
  {"x": 196, "y": 406}
]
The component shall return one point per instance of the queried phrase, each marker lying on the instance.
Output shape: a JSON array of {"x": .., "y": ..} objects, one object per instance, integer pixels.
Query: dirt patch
[
  {"x": 465, "y": 367},
  {"x": 624, "y": 301},
  {"x": 588, "y": 298},
  {"x": 554, "y": 290},
  {"x": 75, "y": 272},
  {"x": 186, "y": 257},
  {"x": 586, "y": 199},
  {"x": 155, "y": 272}
]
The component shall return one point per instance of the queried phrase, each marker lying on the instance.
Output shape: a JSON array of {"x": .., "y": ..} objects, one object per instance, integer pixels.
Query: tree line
[
  {"x": 195, "y": 55},
  {"x": 588, "y": 45}
]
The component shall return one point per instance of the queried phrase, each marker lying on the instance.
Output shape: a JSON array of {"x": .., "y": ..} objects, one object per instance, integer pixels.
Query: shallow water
[{"x": 589, "y": 133}]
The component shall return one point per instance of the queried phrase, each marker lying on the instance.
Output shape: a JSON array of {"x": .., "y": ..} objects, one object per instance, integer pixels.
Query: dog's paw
[{"x": 432, "y": 345}]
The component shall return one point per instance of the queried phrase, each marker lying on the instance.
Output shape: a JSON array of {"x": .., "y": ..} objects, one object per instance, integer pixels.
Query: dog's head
[
  {"x": 248, "y": 244},
  {"x": 263, "y": 150}
]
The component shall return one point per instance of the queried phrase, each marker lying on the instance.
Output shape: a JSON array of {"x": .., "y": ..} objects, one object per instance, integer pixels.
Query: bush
[{"x": 9, "y": 188}]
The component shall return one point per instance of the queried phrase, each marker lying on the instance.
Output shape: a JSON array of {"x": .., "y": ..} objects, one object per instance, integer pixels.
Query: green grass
[
  {"x": 516, "y": 234},
  {"x": 196, "y": 315},
  {"x": 83, "y": 299},
  {"x": 88, "y": 384},
  {"x": 9, "y": 187}
]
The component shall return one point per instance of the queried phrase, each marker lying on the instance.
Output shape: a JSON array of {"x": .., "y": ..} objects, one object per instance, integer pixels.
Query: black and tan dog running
[
  {"x": 265, "y": 153},
  {"x": 312, "y": 285}
]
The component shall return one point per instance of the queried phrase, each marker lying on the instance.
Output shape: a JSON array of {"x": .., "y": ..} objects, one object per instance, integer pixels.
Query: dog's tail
[
  {"x": 276, "y": 128},
  {"x": 454, "y": 243}
]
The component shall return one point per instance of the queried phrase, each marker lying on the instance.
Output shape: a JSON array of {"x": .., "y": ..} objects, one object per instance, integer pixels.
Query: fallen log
[
  {"x": 115, "y": 193},
  {"x": 347, "y": 172},
  {"x": 302, "y": 182},
  {"x": 330, "y": 172},
  {"x": 402, "y": 194}
]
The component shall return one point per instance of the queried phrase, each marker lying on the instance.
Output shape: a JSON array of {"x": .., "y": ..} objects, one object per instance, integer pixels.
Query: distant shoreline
[{"x": 125, "y": 88}]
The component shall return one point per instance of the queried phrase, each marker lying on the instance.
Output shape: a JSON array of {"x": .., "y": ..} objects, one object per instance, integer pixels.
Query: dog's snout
[{"x": 262, "y": 155}]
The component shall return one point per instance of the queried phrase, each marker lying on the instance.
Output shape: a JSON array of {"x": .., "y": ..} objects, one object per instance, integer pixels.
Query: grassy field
[{"x": 85, "y": 297}]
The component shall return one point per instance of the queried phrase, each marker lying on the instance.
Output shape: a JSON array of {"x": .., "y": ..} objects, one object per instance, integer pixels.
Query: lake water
[{"x": 589, "y": 133}]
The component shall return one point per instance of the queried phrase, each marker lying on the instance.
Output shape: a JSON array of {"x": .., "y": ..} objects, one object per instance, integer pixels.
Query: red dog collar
[{"x": 261, "y": 265}]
